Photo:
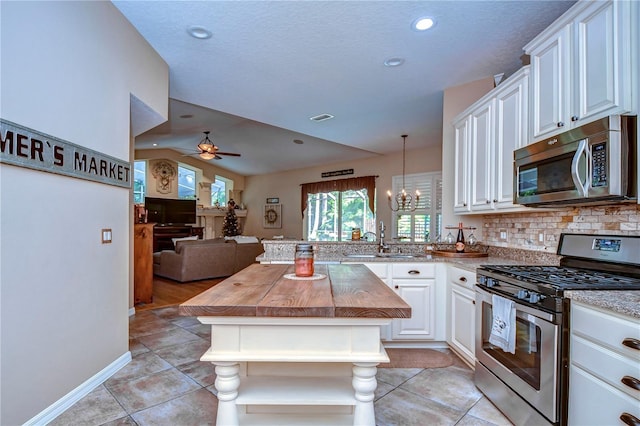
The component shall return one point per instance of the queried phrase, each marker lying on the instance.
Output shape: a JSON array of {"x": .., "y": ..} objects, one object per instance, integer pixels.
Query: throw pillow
[
  {"x": 175, "y": 240},
  {"x": 242, "y": 239}
]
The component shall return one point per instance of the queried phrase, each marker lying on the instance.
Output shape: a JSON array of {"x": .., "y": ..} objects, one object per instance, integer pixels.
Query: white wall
[
  {"x": 286, "y": 187},
  {"x": 68, "y": 69}
]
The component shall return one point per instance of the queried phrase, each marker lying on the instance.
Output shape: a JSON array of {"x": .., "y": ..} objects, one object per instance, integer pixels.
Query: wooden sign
[
  {"x": 337, "y": 173},
  {"x": 24, "y": 147}
]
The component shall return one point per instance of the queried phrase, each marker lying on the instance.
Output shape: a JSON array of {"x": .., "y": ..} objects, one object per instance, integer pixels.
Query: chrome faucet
[{"x": 382, "y": 246}]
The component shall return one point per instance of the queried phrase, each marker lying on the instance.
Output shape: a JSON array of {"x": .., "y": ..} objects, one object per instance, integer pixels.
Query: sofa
[{"x": 202, "y": 259}]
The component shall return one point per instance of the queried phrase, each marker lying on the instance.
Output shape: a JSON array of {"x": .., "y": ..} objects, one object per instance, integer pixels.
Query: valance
[{"x": 353, "y": 184}]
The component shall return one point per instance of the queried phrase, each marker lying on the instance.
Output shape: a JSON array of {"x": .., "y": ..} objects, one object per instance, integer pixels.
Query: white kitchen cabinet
[
  {"x": 419, "y": 294},
  {"x": 461, "y": 165},
  {"x": 511, "y": 124},
  {"x": 416, "y": 284},
  {"x": 481, "y": 144},
  {"x": 582, "y": 67},
  {"x": 486, "y": 135},
  {"x": 461, "y": 315},
  {"x": 603, "y": 370}
]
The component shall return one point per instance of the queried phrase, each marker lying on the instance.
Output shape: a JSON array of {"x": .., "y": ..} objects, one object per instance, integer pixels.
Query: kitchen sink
[
  {"x": 400, "y": 255},
  {"x": 386, "y": 256}
]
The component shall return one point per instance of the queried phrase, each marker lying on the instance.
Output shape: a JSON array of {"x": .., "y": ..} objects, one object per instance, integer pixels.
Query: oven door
[{"x": 533, "y": 371}]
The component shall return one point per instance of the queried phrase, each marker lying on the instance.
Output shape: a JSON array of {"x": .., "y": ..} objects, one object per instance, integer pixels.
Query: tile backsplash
[{"x": 540, "y": 229}]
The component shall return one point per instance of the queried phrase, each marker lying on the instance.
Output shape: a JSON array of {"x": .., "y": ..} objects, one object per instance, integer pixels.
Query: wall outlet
[
  {"x": 541, "y": 237},
  {"x": 503, "y": 235}
]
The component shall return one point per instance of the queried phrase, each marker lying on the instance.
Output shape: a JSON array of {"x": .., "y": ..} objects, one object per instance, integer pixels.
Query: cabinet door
[
  {"x": 598, "y": 62},
  {"x": 481, "y": 154},
  {"x": 594, "y": 402},
  {"x": 511, "y": 114},
  {"x": 419, "y": 294},
  {"x": 463, "y": 321},
  {"x": 461, "y": 166},
  {"x": 550, "y": 92}
]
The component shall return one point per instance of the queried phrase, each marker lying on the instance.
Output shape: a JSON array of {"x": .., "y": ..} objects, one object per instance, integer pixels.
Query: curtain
[{"x": 354, "y": 184}]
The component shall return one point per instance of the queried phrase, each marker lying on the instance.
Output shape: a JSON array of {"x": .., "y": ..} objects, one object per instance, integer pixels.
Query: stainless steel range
[{"x": 530, "y": 383}]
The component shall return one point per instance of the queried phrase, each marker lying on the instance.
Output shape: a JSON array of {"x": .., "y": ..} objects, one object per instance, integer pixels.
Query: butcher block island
[{"x": 297, "y": 351}]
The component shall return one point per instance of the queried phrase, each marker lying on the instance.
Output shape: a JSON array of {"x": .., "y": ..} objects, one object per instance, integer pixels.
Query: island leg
[
  {"x": 364, "y": 383},
  {"x": 227, "y": 384}
]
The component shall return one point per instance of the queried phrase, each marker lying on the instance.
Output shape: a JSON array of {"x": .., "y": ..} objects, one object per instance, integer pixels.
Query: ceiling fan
[{"x": 207, "y": 150}]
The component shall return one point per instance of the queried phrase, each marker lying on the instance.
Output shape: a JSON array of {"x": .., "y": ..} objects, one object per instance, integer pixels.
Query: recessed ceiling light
[
  {"x": 422, "y": 24},
  {"x": 321, "y": 117},
  {"x": 298, "y": 141},
  {"x": 393, "y": 62},
  {"x": 155, "y": 144},
  {"x": 199, "y": 32}
]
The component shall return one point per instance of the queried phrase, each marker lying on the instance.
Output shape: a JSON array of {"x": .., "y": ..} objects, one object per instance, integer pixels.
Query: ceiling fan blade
[{"x": 231, "y": 154}]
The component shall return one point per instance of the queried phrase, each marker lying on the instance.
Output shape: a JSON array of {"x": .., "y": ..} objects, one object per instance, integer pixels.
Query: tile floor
[{"x": 166, "y": 384}]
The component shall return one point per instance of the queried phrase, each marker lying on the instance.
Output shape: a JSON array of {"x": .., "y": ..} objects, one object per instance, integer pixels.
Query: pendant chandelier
[
  {"x": 207, "y": 148},
  {"x": 402, "y": 200}
]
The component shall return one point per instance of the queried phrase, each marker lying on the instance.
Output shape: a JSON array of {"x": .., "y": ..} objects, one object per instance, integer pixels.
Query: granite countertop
[
  {"x": 620, "y": 301},
  {"x": 469, "y": 264}
]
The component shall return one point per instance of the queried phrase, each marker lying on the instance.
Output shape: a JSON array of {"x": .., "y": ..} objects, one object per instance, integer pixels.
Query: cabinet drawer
[
  {"x": 413, "y": 270},
  {"x": 605, "y": 364},
  {"x": 593, "y": 402},
  {"x": 605, "y": 328},
  {"x": 380, "y": 269},
  {"x": 461, "y": 277}
]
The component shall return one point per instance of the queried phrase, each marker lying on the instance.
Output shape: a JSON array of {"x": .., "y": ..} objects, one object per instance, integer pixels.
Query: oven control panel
[{"x": 518, "y": 292}]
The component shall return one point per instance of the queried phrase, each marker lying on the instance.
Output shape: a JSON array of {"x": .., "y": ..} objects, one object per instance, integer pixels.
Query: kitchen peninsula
[{"x": 297, "y": 351}]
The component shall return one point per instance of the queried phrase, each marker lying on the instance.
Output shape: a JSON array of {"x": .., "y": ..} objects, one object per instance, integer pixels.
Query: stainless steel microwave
[{"x": 593, "y": 163}]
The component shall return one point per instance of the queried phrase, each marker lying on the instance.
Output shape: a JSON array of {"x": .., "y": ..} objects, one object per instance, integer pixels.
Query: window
[
  {"x": 139, "y": 181},
  {"x": 332, "y": 214},
  {"x": 219, "y": 193},
  {"x": 186, "y": 183},
  {"x": 425, "y": 223}
]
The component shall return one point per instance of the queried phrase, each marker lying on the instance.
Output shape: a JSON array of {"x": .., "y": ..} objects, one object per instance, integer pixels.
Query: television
[{"x": 169, "y": 211}]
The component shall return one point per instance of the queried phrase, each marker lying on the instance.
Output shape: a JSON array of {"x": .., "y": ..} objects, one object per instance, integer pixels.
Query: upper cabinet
[
  {"x": 581, "y": 67},
  {"x": 485, "y": 136}
]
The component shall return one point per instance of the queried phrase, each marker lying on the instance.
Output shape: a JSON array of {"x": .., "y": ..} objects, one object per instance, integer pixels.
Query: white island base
[{"x": 295, "y": 371}]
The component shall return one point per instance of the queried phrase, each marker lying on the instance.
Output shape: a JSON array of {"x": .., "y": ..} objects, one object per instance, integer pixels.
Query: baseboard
[
  {"x": 132, "y": 311},
  {"x": 61, "y": 405}
]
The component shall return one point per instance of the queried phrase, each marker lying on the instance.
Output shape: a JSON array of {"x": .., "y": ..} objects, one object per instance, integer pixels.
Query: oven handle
[
  {"x": 582, "y": 149},
  {"x": 522, "y": 311}
]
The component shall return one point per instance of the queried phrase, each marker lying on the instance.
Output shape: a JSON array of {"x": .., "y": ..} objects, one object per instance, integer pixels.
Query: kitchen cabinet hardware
[
  {"x": 463, "y": 279},
  {"x": 414, "y": 272},
  {"x": 630, "y": 381},
  {"x": 575, "y": 118},
  {"x": 397, "y": 286},
  {"x": 560, "y": 124},
  {"x": 629, "y": 419},
  {"x": 632, "y": 343}
]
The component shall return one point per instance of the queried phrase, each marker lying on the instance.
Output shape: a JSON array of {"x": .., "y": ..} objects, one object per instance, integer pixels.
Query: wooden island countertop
[{"x": 262, "y": 290}]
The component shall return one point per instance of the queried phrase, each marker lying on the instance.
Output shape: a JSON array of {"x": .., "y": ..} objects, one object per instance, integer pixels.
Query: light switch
[{"x": 106, "y": 236}]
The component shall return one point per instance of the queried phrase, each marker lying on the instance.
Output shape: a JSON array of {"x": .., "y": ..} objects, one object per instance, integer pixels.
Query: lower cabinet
[
  {"x": 462, "y": 310},
  {"x": 604, "y": 373},
  {"x": 419, "y": 294}
]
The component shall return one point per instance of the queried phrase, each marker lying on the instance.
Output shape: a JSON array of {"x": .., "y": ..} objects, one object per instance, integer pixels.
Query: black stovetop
[{"x": 563, "y": 278}]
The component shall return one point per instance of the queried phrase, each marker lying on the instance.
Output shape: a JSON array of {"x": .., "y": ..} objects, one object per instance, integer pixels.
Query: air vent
[{"x": 322, "y": 117}]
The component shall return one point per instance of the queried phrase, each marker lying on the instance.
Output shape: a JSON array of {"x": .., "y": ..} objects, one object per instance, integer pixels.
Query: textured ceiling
[{"x": 271, "y": 65}]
